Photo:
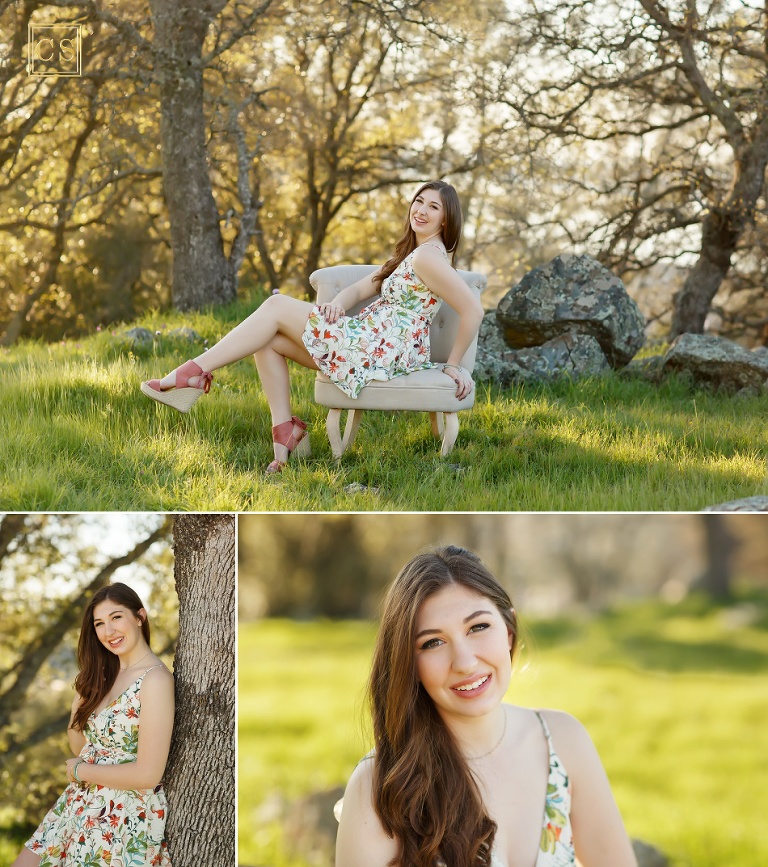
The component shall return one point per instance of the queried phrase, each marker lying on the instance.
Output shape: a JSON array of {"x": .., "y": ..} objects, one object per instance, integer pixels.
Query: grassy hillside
[
  {"x": 77, "y": 434},
  {"x": 672, "y": 696}
]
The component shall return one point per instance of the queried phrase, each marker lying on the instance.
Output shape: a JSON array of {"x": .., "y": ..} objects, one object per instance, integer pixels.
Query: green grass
[
  {"x": 78, "y": 435},
  {"x": 673, "y": 698},
  {"x": 12, "y": 840}
]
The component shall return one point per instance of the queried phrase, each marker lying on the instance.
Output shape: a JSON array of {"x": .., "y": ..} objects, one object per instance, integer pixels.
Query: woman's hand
[
  {"x": 461, "y": 377},
  {"x": 332, "y": 311}
]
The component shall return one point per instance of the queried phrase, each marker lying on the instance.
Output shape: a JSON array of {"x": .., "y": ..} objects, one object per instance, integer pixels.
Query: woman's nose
[{"x": 464, "y": 660}]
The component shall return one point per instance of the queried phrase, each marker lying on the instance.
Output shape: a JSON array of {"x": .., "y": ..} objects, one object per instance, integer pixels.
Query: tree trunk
[
  {"x": 201, "y": 272},
  {"x": 693, "y": 302},
  {"x": 722, "y": 230},
  {"x": 719, "y": 546},
  {"x": 200, "y": 777}
]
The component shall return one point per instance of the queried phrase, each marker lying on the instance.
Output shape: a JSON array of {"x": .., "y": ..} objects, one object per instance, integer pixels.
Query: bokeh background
[{"x": 651, "y": 629}]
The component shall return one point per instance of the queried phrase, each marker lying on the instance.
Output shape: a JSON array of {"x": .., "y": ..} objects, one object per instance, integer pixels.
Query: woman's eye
[
  {"x": 476, "y": 627},
  {"x": 433, "y": 642}
]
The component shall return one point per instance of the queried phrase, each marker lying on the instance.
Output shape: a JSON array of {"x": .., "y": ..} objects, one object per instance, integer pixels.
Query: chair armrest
[{"x": 328, "y": 282}]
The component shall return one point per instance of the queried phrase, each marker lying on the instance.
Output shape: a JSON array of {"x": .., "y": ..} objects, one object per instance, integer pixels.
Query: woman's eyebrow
[
  {"x": 116, "y": 611},
  {"x": 466, "y": 620}
]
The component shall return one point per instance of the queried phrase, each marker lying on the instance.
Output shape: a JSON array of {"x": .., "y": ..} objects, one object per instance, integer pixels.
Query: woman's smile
[{"x": 474, "y": 688}]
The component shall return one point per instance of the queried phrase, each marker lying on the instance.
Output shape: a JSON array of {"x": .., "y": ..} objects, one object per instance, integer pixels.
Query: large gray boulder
[
  {"x": 571, "y": 355},
  {"x": 758, "y": 503},
  {"x": 573, "y": 294},
  {"x": 489, "y": 361},
  {"x": 717, "y": 362}
]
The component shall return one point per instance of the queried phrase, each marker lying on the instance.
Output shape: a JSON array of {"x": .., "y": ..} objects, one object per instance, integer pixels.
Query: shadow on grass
[
  {"x": 673, "y": 657},
  {"x": 692, "y": 636},
  {"x": 94, "y": 442}
]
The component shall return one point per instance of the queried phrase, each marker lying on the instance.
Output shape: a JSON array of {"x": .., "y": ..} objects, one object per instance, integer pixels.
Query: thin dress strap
[
  {"x": 432, "y": 244},
  {"x": 546, "y": 731},
  {"x": 158, "y": 665}
]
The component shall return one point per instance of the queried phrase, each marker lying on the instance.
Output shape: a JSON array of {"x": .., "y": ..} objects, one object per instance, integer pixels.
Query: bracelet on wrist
[
  {"x": 455, "y": 367},
  {"x": 74, "y": 772}
]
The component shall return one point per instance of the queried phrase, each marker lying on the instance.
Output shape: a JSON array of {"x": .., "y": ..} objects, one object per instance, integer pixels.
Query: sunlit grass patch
[{"x": 78, "y": 434}]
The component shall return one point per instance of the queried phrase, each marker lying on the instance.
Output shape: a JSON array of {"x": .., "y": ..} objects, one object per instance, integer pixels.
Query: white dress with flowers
[
  {"x": 97, "y": 826},
  {"x": 387, "y": 338}
]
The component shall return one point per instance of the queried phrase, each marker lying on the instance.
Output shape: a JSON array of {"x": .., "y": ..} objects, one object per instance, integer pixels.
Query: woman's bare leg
[
  {"x": 273, "y": 372},
  {"x": 27, "y": 858},
  {"x": 279, "y": 314},
  {"x": 272, "y": 365}
]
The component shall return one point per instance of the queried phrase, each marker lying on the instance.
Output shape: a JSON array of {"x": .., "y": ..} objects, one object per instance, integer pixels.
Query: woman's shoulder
[
  {"x": 570, "y": 740},
  {"x": 361, "y": 778},
  {"x": 562, "y": 723},
  {"x": 430, "y": 256},
  {"x": 157, "y": 677},
  {"x": 157, "y": 693},
  {"x": 361, "y": 837}
]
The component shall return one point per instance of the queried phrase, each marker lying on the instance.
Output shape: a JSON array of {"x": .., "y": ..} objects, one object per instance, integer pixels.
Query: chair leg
[
  {"x": 451, "y": 432},
  {"x": 437, "y": 421},
  {"x": 350, "y": 429},
  {"x": 333, "y": 426},
  {"x": 338, "y": 443}
]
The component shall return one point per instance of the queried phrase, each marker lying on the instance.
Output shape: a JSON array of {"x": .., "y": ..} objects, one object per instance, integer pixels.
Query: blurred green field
[{"x": 673, "y": 696}]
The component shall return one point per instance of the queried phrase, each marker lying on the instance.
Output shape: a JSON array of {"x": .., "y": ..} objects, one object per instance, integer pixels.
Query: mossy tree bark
[{"x": 200, "y": 777}]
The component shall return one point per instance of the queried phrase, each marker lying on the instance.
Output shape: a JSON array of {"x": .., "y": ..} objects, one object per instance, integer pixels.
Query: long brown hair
[
  {"x": 451, "y": 230},
  {"x": 99, "y": 667},
  {"x": 424, "y": 793}
]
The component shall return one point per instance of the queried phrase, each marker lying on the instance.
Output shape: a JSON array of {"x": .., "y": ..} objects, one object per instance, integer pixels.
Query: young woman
[
  {"x": 388, "y": 337},
  {"x": 457, "y": 777},
  {"x": 113, "y": 810}
]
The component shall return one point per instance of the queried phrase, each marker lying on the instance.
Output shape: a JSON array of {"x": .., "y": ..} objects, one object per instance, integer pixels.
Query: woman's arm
[
  {"x": 155, "y": 727},
  {"x": 361, "y": 839},
  {"x": 599, "y": 837},
  {"x": 435, "y": 272},
  {"x": 351, "y": 295},
  {"x": 76, "y": 738}
]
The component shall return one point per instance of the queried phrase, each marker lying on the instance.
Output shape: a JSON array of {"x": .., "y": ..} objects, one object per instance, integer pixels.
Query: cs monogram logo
[{"x": 55, "y": 50}]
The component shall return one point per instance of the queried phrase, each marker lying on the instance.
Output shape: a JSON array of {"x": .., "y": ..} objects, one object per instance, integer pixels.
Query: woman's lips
[{"x": 472, "y": 688}]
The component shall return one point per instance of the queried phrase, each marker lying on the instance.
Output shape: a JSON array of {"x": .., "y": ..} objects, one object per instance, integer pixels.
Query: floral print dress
[
  {"x": 96, "y": 826},
  {"x": 556, "y": 846},
  {"x": 387, "y": 338}
]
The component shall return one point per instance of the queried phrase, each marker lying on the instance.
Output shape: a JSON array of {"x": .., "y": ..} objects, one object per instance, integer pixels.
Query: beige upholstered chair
[{"x": 423, "y": 390}]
